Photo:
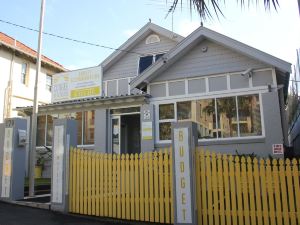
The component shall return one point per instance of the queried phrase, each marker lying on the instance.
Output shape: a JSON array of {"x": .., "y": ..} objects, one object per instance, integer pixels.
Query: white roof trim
[
  {"x": 133, "y": 40},
  {"x": 197, "y": 36}
]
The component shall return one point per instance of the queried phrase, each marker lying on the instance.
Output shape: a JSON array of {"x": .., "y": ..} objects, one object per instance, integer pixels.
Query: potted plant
[{"x": 40, "y": 161}]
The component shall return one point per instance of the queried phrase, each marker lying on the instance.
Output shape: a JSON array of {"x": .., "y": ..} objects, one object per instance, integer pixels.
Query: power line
[{"x": 71, "y": 39}]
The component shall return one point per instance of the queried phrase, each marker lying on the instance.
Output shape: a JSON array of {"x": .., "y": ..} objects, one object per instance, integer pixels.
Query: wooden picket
[{"x": 229, "y": 190}]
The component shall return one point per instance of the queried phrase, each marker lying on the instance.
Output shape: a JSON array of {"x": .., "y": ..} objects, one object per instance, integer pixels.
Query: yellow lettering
[
  {"x": 181, "y": 151},
  {"x": 183, "y": 214},
  {"x": 182, "y": 182},
  {"x": 182, "y": 167},
  {"x": 180, "y": 135},
  {"x": 183, "y": 198}
]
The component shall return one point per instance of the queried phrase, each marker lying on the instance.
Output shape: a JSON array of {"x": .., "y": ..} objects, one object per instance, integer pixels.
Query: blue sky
[{"x": 111, "y": 23}]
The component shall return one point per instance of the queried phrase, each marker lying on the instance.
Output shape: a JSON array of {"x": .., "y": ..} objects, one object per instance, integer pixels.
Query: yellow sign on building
[{"x": 77, "y": 84}]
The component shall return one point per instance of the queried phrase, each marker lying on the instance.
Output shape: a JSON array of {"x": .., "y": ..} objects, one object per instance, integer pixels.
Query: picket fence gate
[{"x": 229, "y": 190}]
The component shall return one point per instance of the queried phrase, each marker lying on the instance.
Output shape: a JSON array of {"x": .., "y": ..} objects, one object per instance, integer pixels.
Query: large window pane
[
  {"x": 41, "y": 126},
  {"x": 78, "y": 117},
  {"x": 79, "y": 127},
  {"x": 226, "y": 109},
  {"x": 249, "y": 115},
  {"x": 88, "y": 127},
  {"x": 166, "y": 111},
  {"x": 205, "y": 118},
  {"x": 50, "y": 119},
  {"x": 145, "y": 62},
  {"x": 165, "y": 131},
  {"x": 183, "y": 110}
]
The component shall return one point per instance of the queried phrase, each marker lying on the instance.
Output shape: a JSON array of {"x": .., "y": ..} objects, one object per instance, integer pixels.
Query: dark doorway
[{"x": 130, "y": 134}]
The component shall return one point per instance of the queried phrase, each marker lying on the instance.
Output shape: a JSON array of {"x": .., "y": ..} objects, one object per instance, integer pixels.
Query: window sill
[{"x": 224, "y": 141}]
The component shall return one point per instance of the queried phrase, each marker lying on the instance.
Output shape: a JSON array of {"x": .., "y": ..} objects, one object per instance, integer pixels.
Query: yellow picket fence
[
  {"x": 234, "y": 190},
  {"x": 229, "y": 190},
  {"x": 133, "y": 187}
]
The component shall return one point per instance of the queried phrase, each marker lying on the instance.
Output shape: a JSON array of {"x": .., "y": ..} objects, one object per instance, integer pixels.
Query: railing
[{"x": 229, "y": 190}]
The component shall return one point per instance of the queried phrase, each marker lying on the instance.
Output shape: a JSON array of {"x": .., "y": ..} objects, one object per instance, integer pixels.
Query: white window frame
[
  {"x": 153, "y": 60},
  {"x": 117, "y": 84},
  {"x": 174, "y": 101},
  {"x": 24, "y": 75},
  {"x": 82, "y": 130},
  {"x": 148, "y": 39},
  {"x": 165, "y": 121},
  {"x": 48, "y": 87}
]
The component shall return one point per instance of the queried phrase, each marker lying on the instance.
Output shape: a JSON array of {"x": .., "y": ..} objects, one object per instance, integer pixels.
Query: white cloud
[
  {"x": 185, "y": 27},
  {"x": 129, "y": 32}
]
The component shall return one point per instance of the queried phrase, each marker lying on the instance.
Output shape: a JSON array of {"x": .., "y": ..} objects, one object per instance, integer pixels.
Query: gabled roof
[
  {"x": 133, "y": 40},
  {"x": 16, "y": 45},
  {"x": 194, "y": 39}
]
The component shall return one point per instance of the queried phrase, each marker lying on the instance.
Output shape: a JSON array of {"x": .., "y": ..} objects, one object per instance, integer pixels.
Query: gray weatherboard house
[{"x": 235, "y": 93}]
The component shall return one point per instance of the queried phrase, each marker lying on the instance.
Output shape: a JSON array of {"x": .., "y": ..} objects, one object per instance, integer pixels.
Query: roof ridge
[{"x": 26, "y": 49}]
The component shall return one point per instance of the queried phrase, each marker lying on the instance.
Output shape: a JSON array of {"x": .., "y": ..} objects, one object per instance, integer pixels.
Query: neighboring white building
[{"x": 17, "y": 72}]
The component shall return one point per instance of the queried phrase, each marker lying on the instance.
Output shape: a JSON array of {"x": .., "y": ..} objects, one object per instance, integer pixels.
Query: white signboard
[
  {"x": 147, "y": 131},
  {"x": 182, "y": 174},
  {"x": 6, "y": 178},
  {"x": 58, "y": 154},
  {"x": 77, "y": 84},
  {"x": 278, "y": 149}
]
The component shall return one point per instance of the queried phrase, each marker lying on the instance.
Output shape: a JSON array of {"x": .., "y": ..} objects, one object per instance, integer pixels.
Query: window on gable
[
  {"x": 153, "y": 38},
  {"x": 146, "y": 61}
]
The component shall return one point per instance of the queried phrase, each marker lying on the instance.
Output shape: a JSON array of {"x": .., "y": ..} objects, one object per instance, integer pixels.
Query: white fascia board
[
  {"x": 247, "y": 50},
  {"x": 204, "y": 33},
  {"x": 138, "y": 36}
]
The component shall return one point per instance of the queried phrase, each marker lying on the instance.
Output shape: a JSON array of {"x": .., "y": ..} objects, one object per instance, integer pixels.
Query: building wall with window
[
  {"x": 18, "y": 71},
  {"x": 234, "y": 113},
  {"x": 144, "y": 53},
  {"x": 233, "y": 92},
  {"x": 127, "y": 66}
]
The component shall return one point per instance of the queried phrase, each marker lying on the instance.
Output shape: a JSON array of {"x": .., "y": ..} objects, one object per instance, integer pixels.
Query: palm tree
[{"x": 202, "y": 6}]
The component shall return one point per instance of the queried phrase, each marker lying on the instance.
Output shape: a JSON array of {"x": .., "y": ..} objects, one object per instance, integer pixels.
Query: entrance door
[{"x": 116, "y": 134}]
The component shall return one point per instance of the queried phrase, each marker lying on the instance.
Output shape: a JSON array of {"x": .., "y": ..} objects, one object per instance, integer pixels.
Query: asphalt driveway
[{"x": 21, "y": 215}]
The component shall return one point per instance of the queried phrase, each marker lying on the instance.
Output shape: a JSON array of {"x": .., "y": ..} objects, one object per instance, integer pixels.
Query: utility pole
[{"x": 32, "y": 151}]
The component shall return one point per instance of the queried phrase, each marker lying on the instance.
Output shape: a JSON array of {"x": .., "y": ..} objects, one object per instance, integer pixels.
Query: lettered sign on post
[{"x": 183, "y": 180}]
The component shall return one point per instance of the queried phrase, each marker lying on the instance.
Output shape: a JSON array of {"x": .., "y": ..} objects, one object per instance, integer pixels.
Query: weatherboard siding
[
  {"x": 127, "y": 66},
  {"x": 217, "y": 59}
]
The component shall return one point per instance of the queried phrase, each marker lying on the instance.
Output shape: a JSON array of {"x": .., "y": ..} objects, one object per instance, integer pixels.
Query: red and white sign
[{"x": 278, "y": 149}]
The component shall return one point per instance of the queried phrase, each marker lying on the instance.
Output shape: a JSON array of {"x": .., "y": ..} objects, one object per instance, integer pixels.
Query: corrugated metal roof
[{"x": 87, "y": 100}]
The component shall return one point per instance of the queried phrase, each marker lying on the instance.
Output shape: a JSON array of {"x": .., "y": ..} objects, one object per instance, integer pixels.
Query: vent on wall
[{"x": 153, "y": 38}]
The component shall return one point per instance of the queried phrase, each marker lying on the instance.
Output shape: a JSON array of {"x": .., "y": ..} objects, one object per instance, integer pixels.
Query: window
[
  {"x": 227, "y": 117},
  {"x": 204, "y": 114},
  {"x": 146, "y": 61},
  {"x": 153, "y": 38},
  {"x": 85, "y": 127},
  {"x": 48, "y": 82},
  {"x": 24, "y": 73},
  {"x": 226, "y": 110},
  {"x": 88, "y": 127},
  {"x": 249, "y": 115},
  {"x": 41, "y": 129},
  {"x": 166, "y": 116}
]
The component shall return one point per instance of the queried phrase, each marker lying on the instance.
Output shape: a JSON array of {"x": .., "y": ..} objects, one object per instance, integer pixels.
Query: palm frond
[{"x": 202, "y": 6}]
